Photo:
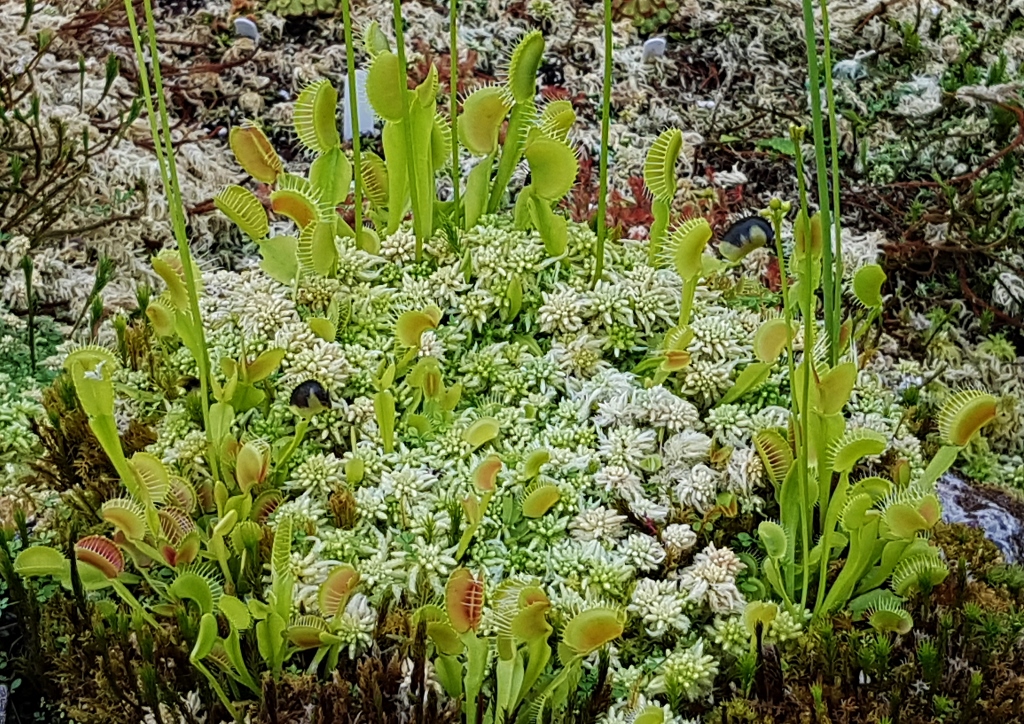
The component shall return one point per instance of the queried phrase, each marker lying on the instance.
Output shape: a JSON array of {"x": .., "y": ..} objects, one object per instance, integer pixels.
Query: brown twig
[{"x": 971, "y": 296}]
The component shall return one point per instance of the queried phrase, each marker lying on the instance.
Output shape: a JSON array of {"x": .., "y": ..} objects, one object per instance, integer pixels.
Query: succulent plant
[
  {"x": 287, "y": 8},
  {"x": 647, "y": 15}
]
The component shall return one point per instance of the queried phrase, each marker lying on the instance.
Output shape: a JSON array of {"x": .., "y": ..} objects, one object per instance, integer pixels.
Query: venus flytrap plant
[
  {"x": 520, "y": 90},
  {"x": 520, "y": 648},
  {"x": 485, "y": 478},
  {"x": 553, "y": 166},
  {"x": 877, "y": 522},
  {"x": 321, "y": 632},
  {"x": 415, "y": 144}
]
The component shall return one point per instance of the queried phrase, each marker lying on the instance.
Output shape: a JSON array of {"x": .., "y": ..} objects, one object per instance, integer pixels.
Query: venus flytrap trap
[{"x": 660, "y": 180}]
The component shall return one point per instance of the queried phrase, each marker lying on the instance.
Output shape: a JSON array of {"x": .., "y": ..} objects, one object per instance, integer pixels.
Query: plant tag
[
  {"x": 653, "y": 48},
  {"x": 246, "y": 28},
  {"x": 367, "y": 118}
]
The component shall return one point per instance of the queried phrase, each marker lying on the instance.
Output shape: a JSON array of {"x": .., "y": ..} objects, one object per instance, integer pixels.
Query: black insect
[
  {"x": 744, "y": 236},
  {"x": 310, "y": 397}
]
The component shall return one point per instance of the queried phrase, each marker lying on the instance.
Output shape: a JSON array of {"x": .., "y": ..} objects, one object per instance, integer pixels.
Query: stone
[{"x": 997, "y": 513}]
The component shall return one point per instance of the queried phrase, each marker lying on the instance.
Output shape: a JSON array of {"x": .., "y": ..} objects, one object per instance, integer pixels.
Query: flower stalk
[
  {"x": 353, "y": 111},
  {"x": 606, "y": 102},
  {"x": 164, "y": 147}
]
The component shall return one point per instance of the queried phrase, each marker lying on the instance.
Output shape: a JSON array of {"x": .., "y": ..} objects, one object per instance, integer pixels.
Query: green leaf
[
  {"x": 449, "y": 673},
  {"x": 524, "y": 65},
  {"x": 314, "y": 117},
  {"x": 553, "y": 228},
  {"x": 531, "y": 623},
  {"x": 323, "y": 328},
  {"x": 175, "y": 284},
  {"x": 483, "y": 114},
  {"x": 206, "y": 639},
  {"x": 752, "y": 377},
  {"x": 835, "y": 387},
  {"x": 152, "y": 477},
  {"x": 773, "y": 537},
  {"x": 336, "y": 589},
  {"x": 191, "y": 586},
  {"x": 331, "y": 176},
  {"x": 280, "y": 258},
  {"x": 650, "y": 715},
  {"x": 481, "y": 431},
  {"x": 251, "y": 465},
  {"x": 779, "y": 145},
  {"x": 540, "y": 501},
  {"x": 904, "y": 520},
  {"x": 270, "y": 637},
  {"x": 317, "y": 251},
  {"x": 411, "y": 326},
  {"x": 127, "y": 516},
  {"x": 254, "y": 153},
  {"x": 854, "y": 445},
  {"x": 591, "y": 629},
  {"x": 477, "y": 187},
  {"x": 384, "y": 407},
  {"x": 265, "y": 365},
  {"x": 557, "y": 119},
  {"x": 771, "y": 338},
  {"x": 553, "y": 166},
  {"x": 40, "y": 561},
  {"x": 222, "y": 416},
  {"x": 486, "y": 474},
  {"x": 964, "y": 414},
  {"x": 445, "y": 638},
  {"x": 385, "y": 85},
  {"x": 535, "y": 461},
  {"x": 867, "y": 285},
  {"x": 296, "y": 199},
  {"x": 235, "y": 611},
  {"x": 374, "y": 40},
  {"x": 660, "y": 164},
  {"x": 688, "y": 243}
]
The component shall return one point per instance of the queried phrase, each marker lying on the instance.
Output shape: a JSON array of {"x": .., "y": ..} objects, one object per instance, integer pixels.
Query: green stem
[
  {"x": 831, "y": 519},
  {"x": 133, "y": 602},
  {"x": 833, "y": 138},
  {"x": 219, "y": 690},
  {"x": 661, "y": 211},
  {"x": 606, "y": 102},
  {"x": 803, "y": 447},
  {"x": 453, "y": 108},
  {"x": 410, "y": 153},
  {"x": 169, "y": 173},
  {"x": 831, "y": 329},
  {"x": 686, "y": 306},
  {"x": 511, "y": 153},
  {"x": 353, "y": 112},
  {"x": 300, "y": 435}
]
